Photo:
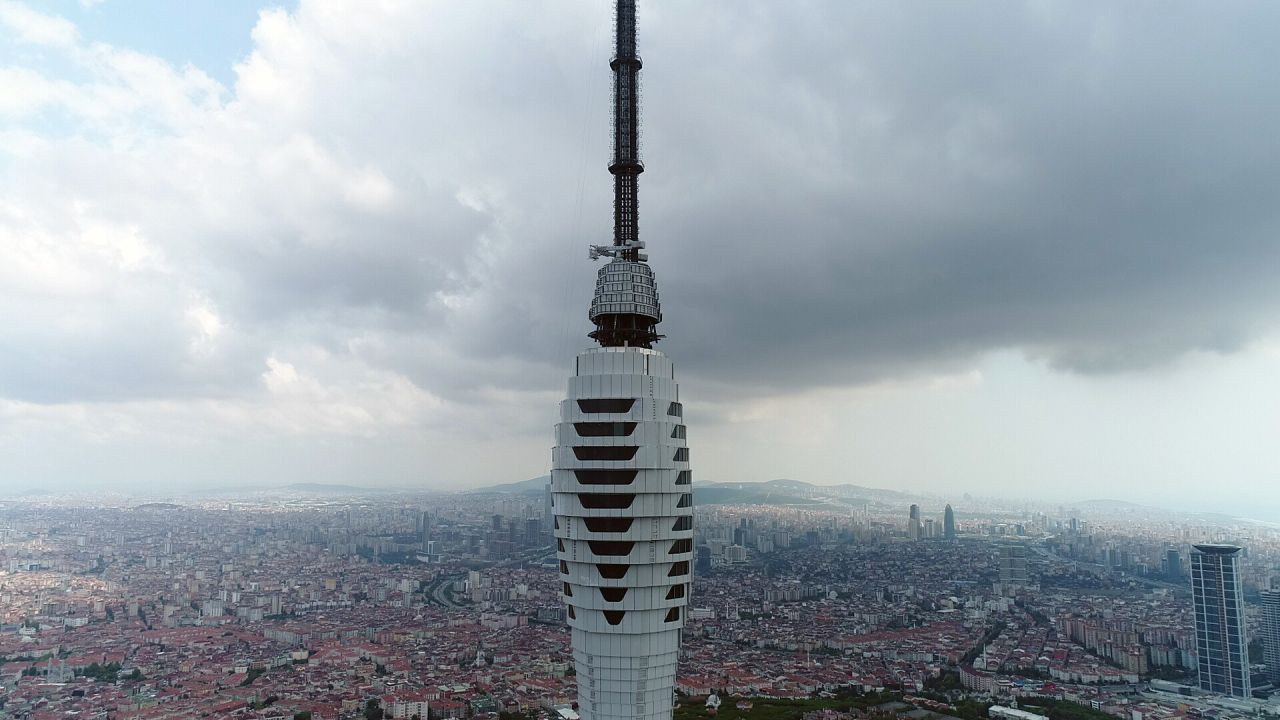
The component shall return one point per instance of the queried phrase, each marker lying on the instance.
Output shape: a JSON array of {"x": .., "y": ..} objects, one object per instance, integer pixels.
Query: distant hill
[
  {"x": 773, "y": 492},
  {"x": 524, "y": 487},
  {"x": 756, "y": 494},
  {"x": 846, "y": 491},
  {"x": 1106, "y": 503},
  {"x": 328, "y": 488},
  {"x": 158, "y": 506},
  {"x": 292, "y": 489}
]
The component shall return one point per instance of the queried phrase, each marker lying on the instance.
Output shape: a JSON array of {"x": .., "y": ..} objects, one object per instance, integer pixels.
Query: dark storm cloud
[
  {"x": 846, "y": 192},
  {"x": 839, "y": 193}
]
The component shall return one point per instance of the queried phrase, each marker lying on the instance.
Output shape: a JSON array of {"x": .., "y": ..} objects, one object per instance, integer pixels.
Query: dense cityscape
[{"x": 329, "y": 604}]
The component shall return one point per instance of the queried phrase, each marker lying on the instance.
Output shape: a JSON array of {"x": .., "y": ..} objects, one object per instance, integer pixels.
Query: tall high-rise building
[
  {"x": 1173, "y": 565},
  {"x": 424, "y": 528},
  {"x": 1013, "y": 566},
  {"x": 623, "y": 516},
  {"x": 1222, "y": 648},
  {"x": 949, "y": 523},
  {"x": 703, "y": 563},
  {"x": 1271, "y": 633},
  {"x": 913, "y": 522}
]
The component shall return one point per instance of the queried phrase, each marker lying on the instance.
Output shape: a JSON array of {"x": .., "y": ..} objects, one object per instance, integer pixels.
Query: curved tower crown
[{"x": 625, "y": 309}]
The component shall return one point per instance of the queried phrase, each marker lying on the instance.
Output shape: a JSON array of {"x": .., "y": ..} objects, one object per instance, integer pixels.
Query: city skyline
[
  {"x": 451, "y": 605},
  {"x": 308, "y": 248}
]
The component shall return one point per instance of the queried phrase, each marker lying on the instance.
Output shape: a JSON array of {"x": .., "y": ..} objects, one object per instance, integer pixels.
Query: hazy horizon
[{"x": 963, "y": 501}]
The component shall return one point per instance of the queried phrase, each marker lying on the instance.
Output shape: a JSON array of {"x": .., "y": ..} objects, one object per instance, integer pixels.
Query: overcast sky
[{"x": 1018, "y": 248}]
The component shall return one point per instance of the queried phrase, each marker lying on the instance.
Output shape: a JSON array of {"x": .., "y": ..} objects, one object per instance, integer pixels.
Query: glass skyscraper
[
  {"x": 1271, "y": 633},
  {"x": 1222, "y": 648}
]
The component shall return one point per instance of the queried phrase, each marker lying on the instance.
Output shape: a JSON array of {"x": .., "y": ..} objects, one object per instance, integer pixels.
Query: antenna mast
[
  {"x": 625, "y": 309},
  {"x": 626, "y": 166}
]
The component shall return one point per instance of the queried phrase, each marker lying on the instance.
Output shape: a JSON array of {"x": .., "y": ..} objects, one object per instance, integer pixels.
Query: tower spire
[
  {"x": 625, "y": 309},
  {"x": 626, "y": 166}
]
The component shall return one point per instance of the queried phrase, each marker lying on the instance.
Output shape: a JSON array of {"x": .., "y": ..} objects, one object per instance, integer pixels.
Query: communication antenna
[{"x": 625, "y": 309}]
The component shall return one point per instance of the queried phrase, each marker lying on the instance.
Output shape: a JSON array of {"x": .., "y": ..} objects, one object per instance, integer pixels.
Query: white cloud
[{"x": 30, "y": 26}]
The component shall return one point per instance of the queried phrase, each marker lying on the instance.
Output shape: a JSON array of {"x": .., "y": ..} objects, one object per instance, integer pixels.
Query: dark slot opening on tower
[
  {"x": 609, "y": 525},
  {"x": 604, "y": 501},
  {"x": 604, "y": 452},
  {"x": 614, "y": 572},
  {"x": 612, "y": 548},
  {"x": 606, "y": 405},
  {"x": 604, "y": 429},
  {"x": 605, "y": 477}
]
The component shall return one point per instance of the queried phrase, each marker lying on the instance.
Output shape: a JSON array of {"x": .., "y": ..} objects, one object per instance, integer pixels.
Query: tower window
[
  {"x": 684, "y": 545},
  {"x": 682, "y": 455},
  {"x": 568, "y": 591},
  {"x": 673, "y": 615},
  {"x": 560, "y": 544},
  {"x": 675, "y": 408},
  {"x": 572, "y": 615},
  {"x": 611, "y": 547},
  {"x": 613, "y": 594},
  {"x": 613, "y": 617},
  {"x": 676, "y": 592},
  {"x": 605, "y": 501},
  {"x": 684, "y": 477},
  {"x": 606, "y": 405},
  {"x": 604, "y": 429},
  {"x": 680, "y": 568},
  {"x": 616, "y": 572},
  {"x": 686, "y": 500},
  {"x": 564, "y": 568},
  {"x": 678, "y": 432},
  {"x": 595, "y": 452},
  {"x": 683, "y": 523},
  {"x": 609, "y": 525},
  {"x": 605, "y": 477}
]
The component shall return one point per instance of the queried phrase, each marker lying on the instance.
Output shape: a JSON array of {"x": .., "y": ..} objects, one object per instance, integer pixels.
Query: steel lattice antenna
[{"x": 626, "y": 166}]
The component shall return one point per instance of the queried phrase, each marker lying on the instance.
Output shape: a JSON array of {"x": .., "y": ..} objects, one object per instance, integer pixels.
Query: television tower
[{"x": 621, "y": 484}]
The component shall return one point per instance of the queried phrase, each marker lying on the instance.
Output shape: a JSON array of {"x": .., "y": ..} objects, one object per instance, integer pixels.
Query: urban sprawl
[{"x": 317, "y": 605}]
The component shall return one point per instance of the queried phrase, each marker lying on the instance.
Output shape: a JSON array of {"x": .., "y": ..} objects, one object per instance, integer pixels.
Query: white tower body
[{"x": 624, "y": 529}]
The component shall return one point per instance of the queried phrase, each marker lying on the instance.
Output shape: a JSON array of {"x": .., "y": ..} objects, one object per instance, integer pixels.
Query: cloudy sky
[{"x": 1017, "y": 248}]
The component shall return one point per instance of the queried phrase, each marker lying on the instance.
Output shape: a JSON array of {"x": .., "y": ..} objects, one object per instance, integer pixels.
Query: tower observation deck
[{"x": 621, "y": 485}]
